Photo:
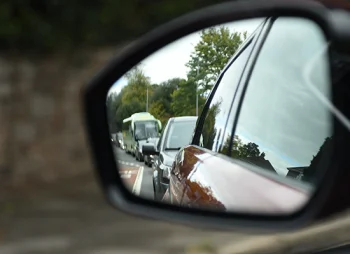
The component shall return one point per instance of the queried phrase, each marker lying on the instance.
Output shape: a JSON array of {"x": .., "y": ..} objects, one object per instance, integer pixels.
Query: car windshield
[
  {"x": 180, "y": 134},
  {"x": 146, "y": 129}
]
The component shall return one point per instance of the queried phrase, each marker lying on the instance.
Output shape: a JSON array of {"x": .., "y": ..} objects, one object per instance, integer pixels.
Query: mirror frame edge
[{"x": 98, "y": 133}]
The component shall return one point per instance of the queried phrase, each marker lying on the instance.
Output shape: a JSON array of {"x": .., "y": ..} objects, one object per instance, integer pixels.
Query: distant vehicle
[
  {"x": 114, "y": 139},
  {"x": 137, "y": 129},
  {"x": 177, "y": 134},
  {"x": 120, "y": 140}
]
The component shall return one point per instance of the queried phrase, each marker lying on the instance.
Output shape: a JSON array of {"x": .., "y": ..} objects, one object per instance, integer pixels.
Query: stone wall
[{"x": 42, "y": 135}]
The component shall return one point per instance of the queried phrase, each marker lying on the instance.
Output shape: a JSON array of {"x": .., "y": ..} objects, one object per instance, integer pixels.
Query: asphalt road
[
  {"x": 72, "y": 216},
  {"x": 136, "y": 175}
]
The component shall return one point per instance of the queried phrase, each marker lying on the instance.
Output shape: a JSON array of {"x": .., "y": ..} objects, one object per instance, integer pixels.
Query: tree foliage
[
  {"x": 249, "y": 150},
  {"x": 177, "y": 96},
  {"x": 138, "y": 83},
  {"x": 112, "y": 104},
  {"x": 211, "y": 54},
  {"x": 184, "y": 99},
  {"x": 131, "y": 99},
  {"x": 209, "y": 131},
  {"x": 41, "y": 26},
  {"x": 161, "y": 100}
]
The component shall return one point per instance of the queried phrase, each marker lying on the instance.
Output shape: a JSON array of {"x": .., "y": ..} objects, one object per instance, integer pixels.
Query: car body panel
[
  {"x": 166, "y": 157},
  {"x": 202, "y": 179}
]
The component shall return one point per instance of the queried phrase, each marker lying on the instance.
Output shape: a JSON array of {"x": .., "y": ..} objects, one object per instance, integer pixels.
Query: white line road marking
[
  {"x": 129, "y": 163},
  {"x": 137, "y": 185}
]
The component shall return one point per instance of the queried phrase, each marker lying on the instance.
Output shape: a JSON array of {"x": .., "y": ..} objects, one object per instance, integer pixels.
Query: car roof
[{"x": 184, "y": 118}]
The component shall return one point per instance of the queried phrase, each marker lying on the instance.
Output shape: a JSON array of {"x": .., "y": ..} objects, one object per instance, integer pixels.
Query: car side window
[
  {"x": 282, "y": 125},
  {"x": 220, "y": 105},
  {"x": 161, "y": 139}
]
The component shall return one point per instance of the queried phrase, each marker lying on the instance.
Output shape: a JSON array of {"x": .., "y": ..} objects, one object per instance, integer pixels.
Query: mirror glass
[{"x": 260, "y": 86}]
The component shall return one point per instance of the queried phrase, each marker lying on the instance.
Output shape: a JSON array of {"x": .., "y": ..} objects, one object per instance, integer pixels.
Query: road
[
  {"x": 72, "y": 217},
  {"x": 136, "y": 175}
]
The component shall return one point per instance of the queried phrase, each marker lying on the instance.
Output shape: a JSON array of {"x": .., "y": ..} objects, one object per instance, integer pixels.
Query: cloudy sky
[{"x": 169, "y": 62}]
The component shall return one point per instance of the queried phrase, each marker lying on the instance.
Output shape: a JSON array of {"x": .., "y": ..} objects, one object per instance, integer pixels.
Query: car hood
[
  {"x": 153, "y": 140},
  {"x": 142, "y": 142},
  {"x": 220, "y": 182}
]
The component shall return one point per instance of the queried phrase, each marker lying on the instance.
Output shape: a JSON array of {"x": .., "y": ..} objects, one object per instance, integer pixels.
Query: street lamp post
[
  {"x": 197, "y": 100},
  {"x": 147, "y": 100},
  {"x": 197, "y": 93}
]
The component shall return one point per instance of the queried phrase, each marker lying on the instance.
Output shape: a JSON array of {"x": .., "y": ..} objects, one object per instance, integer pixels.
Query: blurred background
[{"x": 49, "y": 199}]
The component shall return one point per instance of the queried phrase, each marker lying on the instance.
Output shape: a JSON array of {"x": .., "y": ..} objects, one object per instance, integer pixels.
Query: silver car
[{"x": 177, "y": 134}]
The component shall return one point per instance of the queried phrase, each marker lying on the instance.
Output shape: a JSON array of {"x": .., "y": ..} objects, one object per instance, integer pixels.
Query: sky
[{"x": 169, "y": 62}]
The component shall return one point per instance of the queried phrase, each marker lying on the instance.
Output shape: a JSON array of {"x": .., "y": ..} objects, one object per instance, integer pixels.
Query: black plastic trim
[{"x": 98, "y": 131}]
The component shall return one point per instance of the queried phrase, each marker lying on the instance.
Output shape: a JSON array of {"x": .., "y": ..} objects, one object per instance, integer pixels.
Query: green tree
[
  {"x": 211, "y": 54},
  {"x": 161, "y": 99},
  {"x": 249, "y": 150},
  {"x": 112, "y": 105},
  {"x": 34, "y": 26},
  {"x": 127, "y": 109},
  {"x": 130, "y": 100},
  {"x": 236, "y": 146},
  {"x": 158, "y": 111},
  {"x": 209, "y": 130},
  {"x": 183, "y": 100},
  {"x": 240, "y": 150},
  {"x": 136, "y": 90},
  {"x": 114, "y": 109}
]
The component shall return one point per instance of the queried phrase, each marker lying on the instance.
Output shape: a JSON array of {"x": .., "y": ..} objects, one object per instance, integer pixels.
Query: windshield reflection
[
  {"x": 146, "y": 129},
  {"x": 180, "y": 134}
]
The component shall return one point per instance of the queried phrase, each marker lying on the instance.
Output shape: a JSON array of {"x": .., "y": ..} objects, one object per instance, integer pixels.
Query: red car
[
  {"x": 262, "y": 160},
  {"x": 203, "y": 180}
]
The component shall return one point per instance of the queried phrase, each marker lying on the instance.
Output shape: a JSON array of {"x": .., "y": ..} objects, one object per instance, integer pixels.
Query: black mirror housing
[
  {"x": 149, "y": 150},
  {"x": 97, "y": 124}
]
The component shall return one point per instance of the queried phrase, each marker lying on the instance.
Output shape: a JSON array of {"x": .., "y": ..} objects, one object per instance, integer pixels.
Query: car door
[
  {"x": 211, "y": 134},
  {"x": 293, "y": 126},
  {"x": 263, "y": 141},
  {"x": 157, "y": 158}
]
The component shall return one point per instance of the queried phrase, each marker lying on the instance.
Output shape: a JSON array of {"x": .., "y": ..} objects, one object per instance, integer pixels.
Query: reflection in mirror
[{"x": 266, "y": 159}]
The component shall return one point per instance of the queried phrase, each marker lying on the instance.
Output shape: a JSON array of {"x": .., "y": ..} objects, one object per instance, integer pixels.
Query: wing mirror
[
  {"x": 224, "y": 179},
  {"x": 149, "y": 149}
]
